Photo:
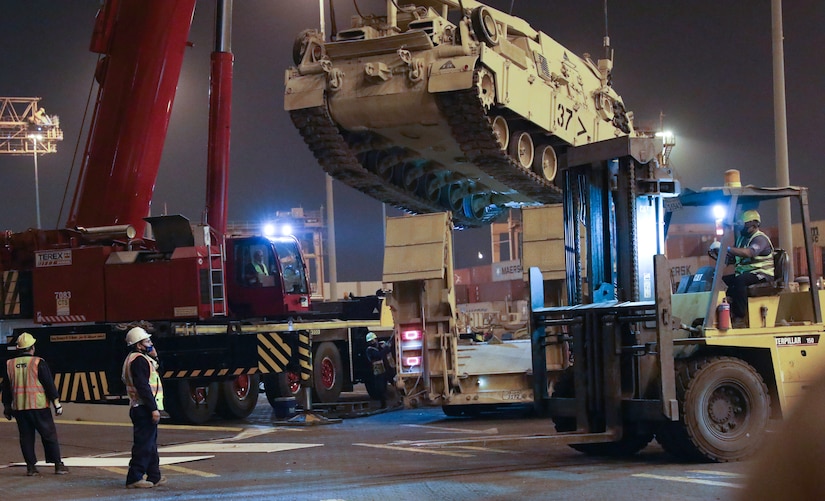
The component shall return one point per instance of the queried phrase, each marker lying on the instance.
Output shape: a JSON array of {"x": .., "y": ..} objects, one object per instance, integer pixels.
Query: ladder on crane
[{"x": 217, "y": 274}]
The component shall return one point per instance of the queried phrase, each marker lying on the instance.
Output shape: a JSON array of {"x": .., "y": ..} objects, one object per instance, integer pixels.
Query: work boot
[
  {"x": 60, "y": 469},
  {"x": 31, "y": 471},
  {"x": 140, "y": 484},
  {"x": 161, "y": 481}
]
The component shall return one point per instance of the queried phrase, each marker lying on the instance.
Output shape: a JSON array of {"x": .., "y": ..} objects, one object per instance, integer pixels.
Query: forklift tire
[
  {"x": 238, "y": 396},
  {"x": 190, "y": 401},
  {"x": 328, "y": 373},
  {"x": 724, "y": 407}
]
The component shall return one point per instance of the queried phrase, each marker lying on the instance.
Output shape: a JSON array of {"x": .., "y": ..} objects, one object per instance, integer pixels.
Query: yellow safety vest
[
  {"x": 154, "y": 380},
  {"x": 27, "y": 392},
  {"x": 763, "y": 264}
]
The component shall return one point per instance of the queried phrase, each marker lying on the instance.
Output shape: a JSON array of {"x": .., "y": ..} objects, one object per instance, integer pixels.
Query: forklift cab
[{"x": 770, "y": 302}]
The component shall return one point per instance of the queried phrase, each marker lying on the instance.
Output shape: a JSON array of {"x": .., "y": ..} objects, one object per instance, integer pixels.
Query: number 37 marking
[{"x": 565, "y": 115}]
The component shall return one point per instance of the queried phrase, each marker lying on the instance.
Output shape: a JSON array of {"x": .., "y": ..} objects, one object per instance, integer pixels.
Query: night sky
[{"x": 706, "y": 65}]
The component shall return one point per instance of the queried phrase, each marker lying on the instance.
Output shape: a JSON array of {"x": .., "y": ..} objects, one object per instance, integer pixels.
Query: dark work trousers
[
  {"x": 738, "y": 292},
  {"x": 39, "y": 420},
  {"x": 145, "y": 460}
]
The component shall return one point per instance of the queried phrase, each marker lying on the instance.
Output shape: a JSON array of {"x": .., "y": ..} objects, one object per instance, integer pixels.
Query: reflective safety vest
[
  {"x": 27, "y": 392},
  {"x": 154, "y": 380},
  {"x": 756, "y": 264}
]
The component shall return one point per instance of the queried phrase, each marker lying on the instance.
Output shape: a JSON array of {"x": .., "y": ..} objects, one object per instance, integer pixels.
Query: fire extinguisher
[{"x": 723, "y": 315}]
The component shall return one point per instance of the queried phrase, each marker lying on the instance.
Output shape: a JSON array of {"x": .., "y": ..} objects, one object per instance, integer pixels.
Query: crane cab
[{"x": 266, "y": 277}]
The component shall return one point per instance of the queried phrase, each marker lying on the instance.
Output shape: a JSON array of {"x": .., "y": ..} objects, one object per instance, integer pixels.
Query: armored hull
[{"x": 430, "y": 115}]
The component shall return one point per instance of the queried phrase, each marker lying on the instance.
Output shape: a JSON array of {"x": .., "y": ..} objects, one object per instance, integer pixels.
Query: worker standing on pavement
[
  {"x": 27, "y": 391},
  {"x": 383, "y": 370},
  {"x": 145, "y": 390}
]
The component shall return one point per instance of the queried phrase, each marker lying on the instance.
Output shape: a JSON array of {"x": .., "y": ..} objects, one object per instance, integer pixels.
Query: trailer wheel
[
  {"x": 238, "y": 396},
  {"x": 328, "y": 372},
  {"x": 724, "y": 407},
  {"x": 190, "y": 401}
]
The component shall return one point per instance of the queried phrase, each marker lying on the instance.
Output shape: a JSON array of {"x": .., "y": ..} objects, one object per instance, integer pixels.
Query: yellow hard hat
[
  {"x": 371, "y": 336},
  {"x": 751, "y": 215},
  {"x": 25, "y": 341}
]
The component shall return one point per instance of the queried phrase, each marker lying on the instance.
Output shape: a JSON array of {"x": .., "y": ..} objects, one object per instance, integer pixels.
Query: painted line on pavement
[
  {"x": 161, "y": 426},
  {"x": 718, "y": 473},
  {"x": 216, "y": 447},
  {"x": 484, "y": 449},
  {"x": 413, "y": 449},
  {"x": 190, "y": 471},
  {"x": 442, "y": 429},
  {"x": 118, "y": 462},
  {"x": 689, "y": 480}
]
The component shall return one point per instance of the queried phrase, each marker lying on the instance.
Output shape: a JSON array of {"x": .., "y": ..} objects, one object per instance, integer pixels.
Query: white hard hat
[
  {"x": 136, "y": 335},
  {"x": 371, "y": 336}
]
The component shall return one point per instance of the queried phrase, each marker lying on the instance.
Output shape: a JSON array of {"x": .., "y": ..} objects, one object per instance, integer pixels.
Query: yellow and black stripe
[
  {"x": 274, "y": 353},
  {"x": 82, "y": 386},
  {"x": 305, "y": 355},
  {"x": 195, "y": 373},
  {"x": 11, "y": 293}
]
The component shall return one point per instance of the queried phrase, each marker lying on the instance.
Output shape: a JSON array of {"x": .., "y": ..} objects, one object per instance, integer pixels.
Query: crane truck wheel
[
  {"x": 284, "y": 384},
  {"x": 724, "y": 407},
  {"x": 328, "y": 372},
  {"x": 238, "y": 396},
  {"x": 190, "y": 401}
]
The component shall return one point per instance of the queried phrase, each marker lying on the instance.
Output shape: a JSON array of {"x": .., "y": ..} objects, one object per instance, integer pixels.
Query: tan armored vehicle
[{"x": 433, "y": 108}]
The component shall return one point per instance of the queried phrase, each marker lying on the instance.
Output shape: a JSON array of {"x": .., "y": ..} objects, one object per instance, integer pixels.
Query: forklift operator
[{"x": 752, "y": 256}]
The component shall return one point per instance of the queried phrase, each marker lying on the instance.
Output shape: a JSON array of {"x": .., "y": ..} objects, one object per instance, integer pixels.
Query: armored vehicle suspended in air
[{"x": 449, "y": 105}]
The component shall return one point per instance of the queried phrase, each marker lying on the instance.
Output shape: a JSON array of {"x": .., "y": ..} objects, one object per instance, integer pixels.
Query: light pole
[{"x": 34, "y": 138}]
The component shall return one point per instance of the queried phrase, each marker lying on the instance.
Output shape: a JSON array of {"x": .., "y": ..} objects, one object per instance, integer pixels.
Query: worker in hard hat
[
  {"x": 752, "y": 257},
  {"x": 145, "y": 390},
  {"x": 27, "y": 391},
  {"x": 379, "y": 355}
]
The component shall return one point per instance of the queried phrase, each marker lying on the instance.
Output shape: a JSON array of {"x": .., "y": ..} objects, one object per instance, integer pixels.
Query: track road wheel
[
  {"x": 501, "y": 131},
  {"x": 545, "y": 162},
  {"x": 724, "y": 407},
  {"x": 521, "y": 149},
  {"x": 189, "y": 401},
  {"x": 238, "y": 396},
  {"x": 328, "y": 372}
]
